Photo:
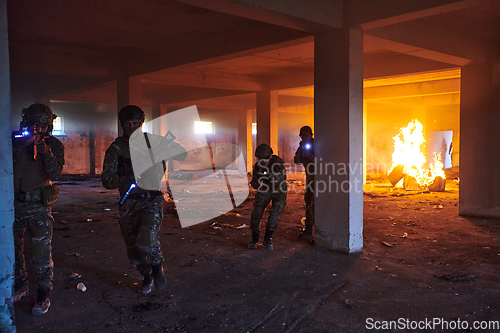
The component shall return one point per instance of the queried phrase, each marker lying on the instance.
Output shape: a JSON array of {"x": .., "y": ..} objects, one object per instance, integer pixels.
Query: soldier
[
  {"x": 305, "y": 156},
  {"x": 269, "y": 179},
  {"x": 38, "y": 159},
  {"x": 141, "y": 210}
]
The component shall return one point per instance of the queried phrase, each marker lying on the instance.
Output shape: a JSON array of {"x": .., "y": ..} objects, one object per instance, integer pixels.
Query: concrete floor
[{"x": 422, "y": 263}]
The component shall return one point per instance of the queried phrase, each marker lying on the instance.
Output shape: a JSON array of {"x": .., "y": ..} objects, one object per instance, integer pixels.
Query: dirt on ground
[{"x": 421, "y": 263}]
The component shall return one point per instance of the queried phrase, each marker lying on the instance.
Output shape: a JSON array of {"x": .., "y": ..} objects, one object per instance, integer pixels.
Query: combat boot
[
  {"x": 146, "y": 284},
  {"x": 255, "y": 239},
  {"x": 307, "y": 232},
  {"x": 159, "y": 276},
  {"x": 20, "y": 290},
  {"x": 267, "y": 240},
  {"x": 42, "y": 302}
]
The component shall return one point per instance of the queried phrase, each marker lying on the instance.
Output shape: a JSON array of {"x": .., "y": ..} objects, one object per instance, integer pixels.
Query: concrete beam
[
  {"x": 208, "y": 79},
  {"x": 428, "y": 100},
  {"x": 40, "y": 84},
  {"x": 152, "y": 93},
  {"x": 423, "y": 77},
  {"x": 163, "y": 94},
  {"x": 292, "y": 80},
  {"x": 304, "y": 15},
  {"x": 422, "y": 40},
  {"x": 68, "y": 61},
  {"x": 220, "y": 47},
  {"x": 411, "y": 50},
  {"x": 292, "y": 101},
  {"x": 239, "y": 102},
  {"x": 104, "y": 93},
  {"x": 389, "y": 63},
  {"x": 448, "y": 86},
  {"x": 297, "y": 109},
  {"x": 369, "y": 14}
]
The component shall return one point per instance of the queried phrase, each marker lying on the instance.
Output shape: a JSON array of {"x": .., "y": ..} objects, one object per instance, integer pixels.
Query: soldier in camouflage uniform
[
  {"x": 269, "y": 179},
  {"x": 305, "y": 156},
  {"x": 38, "y": 159},
  {"x": 141, "y": 212}
]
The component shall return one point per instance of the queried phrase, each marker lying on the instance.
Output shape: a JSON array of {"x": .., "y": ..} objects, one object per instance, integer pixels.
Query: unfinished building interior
[{"x": 356, "y": 71}]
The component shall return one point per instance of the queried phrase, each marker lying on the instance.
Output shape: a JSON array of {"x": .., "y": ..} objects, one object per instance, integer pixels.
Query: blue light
[
  {"x": 126, "y": 194},
  {"x": 26, "y": 133},
  {"x": 308, "y": 146}
]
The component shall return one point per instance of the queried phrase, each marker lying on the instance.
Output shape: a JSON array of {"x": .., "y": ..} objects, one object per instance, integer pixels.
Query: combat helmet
[
  {"x": 131, "y": 112},
  {"x": 263, "y": 151},
  {"x": 38, "y": 113},
  {"x": 305, "y": 129}
]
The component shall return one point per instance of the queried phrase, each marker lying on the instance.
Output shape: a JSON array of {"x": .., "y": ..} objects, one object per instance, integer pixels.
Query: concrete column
[
  {"x": 156, "y": 113},
  {"x": 250, "y": 148},
  {"x": 92, "y": 149},
  {"x": 365, "y": 110},
  {"x": 243, "y": 141},
  {"x": 338, "y": 112},
  {"x": 455, "y": 159},
  {"x": 7, "y": 257},
  {"x": 128, "y": 91},
  {"x": 163, "y": 123},
  {"x": 267, "y": 119},
  {"x": 480, "y": 137}
]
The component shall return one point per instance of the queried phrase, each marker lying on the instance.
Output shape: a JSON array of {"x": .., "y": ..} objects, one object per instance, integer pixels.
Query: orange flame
[{"x": 407, "y": 151}]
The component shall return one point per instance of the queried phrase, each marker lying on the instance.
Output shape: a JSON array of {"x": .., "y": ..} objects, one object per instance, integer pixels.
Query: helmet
[
  {"x": 37, "y": 113},
  {"x": 131, "y": 112},
  {"x": 305, "y": 129},
  {"x": 263, "y": 151}
]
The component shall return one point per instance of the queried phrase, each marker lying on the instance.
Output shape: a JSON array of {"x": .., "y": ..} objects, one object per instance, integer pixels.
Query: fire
[{"x": 407, "y": 152}]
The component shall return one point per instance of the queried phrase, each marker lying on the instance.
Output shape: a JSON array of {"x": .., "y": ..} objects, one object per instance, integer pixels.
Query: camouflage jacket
[
  {"x": 31, "y": 173},
  {"x": 270, "y": 177},
  {"x": 118, "y": 171},
  {"x": 304, "y": 155}
]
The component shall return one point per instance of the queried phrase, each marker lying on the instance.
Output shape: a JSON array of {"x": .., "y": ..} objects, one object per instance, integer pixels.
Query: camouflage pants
[
  {"x": 262, "y": 199},
  {"x": 309, "y": 200},
  {"x": 140, "y": 222},
  {"x": 37, "y": 220}
]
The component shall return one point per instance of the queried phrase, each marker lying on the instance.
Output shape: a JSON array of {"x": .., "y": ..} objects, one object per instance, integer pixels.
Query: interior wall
[
  {"x": 225, "y": 124},
  {"x": 83, "y": 121},
  {"x": 80, "y": 119},
  {"x": 225, "y": 132},
  {"x": 383, "y": 124},
  {"x": 222, "y": 141},
  {"x": 446, "y": 118},
  {"x": 289, "y": 125}
]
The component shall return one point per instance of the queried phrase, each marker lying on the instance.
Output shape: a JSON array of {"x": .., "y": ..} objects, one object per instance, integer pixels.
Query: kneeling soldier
[{"x": 269, "y": 178}]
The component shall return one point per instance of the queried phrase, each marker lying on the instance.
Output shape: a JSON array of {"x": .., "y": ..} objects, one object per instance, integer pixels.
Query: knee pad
[
  {"x": 146, "y": 238},
  {"x": 40, "y": 250}
]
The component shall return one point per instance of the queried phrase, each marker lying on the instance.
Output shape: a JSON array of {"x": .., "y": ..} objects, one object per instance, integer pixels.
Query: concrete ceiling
[{"x": 189, "y": 50}]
